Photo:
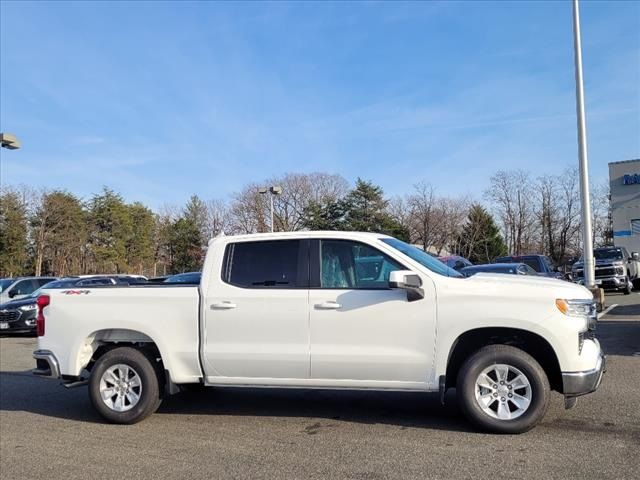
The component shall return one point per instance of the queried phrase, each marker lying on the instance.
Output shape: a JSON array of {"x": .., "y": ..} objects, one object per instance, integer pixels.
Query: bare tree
[
  {"x": 510, "y": 193},
  {"x": 601, "y": 210},
  {"x": 426, "y": 217},
  {"x": 249, "y": 211}
]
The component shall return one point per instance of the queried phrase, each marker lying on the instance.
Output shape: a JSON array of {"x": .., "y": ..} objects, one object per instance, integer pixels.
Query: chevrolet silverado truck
[
  {"x": 615, "y": 269},
  {"x": 327, "y": 310}
]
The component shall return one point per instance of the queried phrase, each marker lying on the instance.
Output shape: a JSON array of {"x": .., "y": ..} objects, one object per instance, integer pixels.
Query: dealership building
[{"x": 624, "y": 180}]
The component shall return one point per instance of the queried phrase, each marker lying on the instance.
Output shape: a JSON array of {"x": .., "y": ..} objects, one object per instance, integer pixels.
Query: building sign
[{"x": 631, "y": 179}]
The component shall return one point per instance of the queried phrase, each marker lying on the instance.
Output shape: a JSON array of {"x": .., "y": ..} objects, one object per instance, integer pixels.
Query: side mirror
[
  {"x": 13, "y": 293},
  {"x": 409, "y": 281}
]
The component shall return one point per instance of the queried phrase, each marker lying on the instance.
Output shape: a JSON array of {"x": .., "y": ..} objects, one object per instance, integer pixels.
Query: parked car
[
  {"x": 19, "y": 316},
  {"x": 14, "y": 288},
  {"x": 291, "y": 309},
  {"x": 540, "y": 263},
  {"x": 455, "y": 261},
  {"x": 508, "y": 268},
  {"x": 615, "y": 269},
  {"x": 188, "y": 277}
]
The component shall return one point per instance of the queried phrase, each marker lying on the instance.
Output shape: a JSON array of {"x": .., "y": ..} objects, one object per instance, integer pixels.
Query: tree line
[{"x": 56, "y": 232}]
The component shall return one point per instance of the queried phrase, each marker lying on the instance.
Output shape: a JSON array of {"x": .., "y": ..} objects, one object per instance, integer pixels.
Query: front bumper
[
  {"x": 581, "y": 383},
  {"x": 17, "y": 321},
  {"x": 616, "y": 282},
  {"x": 47, "y": 364}
]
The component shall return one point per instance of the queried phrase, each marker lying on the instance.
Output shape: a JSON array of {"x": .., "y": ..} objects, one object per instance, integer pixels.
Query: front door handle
[
  {"x": 328, "y": 306},
  {"x": 223, "y": 306}
]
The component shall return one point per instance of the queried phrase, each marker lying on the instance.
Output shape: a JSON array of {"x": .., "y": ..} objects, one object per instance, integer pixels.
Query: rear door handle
[
  {"x": 223, "y": 306},
  {"x": 328, "y": 306}
]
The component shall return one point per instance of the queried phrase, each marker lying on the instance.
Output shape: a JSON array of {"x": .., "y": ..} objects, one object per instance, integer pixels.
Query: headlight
[
  {"x": 582, "y": 308},
  {"x": 29, "y": 308},
  {"x": 575, "y": 308},
  {"x": 619, "y": 270}
]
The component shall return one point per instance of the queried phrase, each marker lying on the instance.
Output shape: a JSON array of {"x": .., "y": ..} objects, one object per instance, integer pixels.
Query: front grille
[
  {"x": 605, "y": 272},
  {"x": 9, "y": 315},
  {"x": 600, "y": 272}
]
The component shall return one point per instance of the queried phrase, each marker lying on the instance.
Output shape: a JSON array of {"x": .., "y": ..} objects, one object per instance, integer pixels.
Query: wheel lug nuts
[
  {"x": 510, "y": 395},
  {"x": 495, "y": 394},
  {"x": 503, "y": 399},
  {"x": 495, "y": 386},
  {"x": 501, "y": 383},
  {"x": 509, "y": 386}
]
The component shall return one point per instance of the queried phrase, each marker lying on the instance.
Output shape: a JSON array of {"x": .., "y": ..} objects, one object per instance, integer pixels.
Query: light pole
[
  {"x": 273, "y": 190},
  {"x": 585, "y": 198},
  {"x": 9, "y": 141}
]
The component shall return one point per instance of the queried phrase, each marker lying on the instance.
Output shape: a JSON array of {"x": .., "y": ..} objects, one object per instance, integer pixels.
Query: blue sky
[{"x": 162, "y": 100}]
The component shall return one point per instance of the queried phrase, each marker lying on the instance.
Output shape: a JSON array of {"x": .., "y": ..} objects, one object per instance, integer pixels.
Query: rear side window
[{"x": 268, "y": 264}]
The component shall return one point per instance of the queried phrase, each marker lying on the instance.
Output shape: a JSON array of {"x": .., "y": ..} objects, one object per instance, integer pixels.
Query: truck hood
[
  {"x": 20, "y": 302},
  {"x": 529, "y": 285}
]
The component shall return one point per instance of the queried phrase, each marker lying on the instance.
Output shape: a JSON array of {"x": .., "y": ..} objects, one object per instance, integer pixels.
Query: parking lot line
[{"x": 606, "y": 310}]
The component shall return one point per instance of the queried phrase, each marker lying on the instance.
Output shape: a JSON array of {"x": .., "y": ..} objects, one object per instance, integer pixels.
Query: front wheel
[
  {"x": 124, "y": 386},
  {"x": 503, "y": 389}
]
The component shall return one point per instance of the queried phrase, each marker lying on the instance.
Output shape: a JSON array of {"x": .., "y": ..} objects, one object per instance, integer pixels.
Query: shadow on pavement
[
  {"x": 21, "y": 391},
  {"x": 625, "y": 311},
  {"x": 619, "y": 337}
]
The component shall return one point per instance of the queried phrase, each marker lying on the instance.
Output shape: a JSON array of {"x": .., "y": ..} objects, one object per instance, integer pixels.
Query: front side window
[
  {"x": 265, "y": 264},
  {"x": 353, "y": 265}
]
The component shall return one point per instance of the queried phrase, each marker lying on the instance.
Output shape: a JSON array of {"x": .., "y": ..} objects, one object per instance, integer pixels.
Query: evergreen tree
[
  {"x": 480, "y": 240},
  {"x": 323, "y": 216},
  {"x": 111, "y": 230},
  {"x": 140, "y": 247},
  {"x": 365, "y": 210},
  {"x": 59, "y": 232},
  {"x": 13, "y": 234},
  {"x": 186, "y": 237}
]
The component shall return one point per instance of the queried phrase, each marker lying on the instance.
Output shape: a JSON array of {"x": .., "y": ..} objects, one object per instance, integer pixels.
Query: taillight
[{"x": 43, "y": 301}]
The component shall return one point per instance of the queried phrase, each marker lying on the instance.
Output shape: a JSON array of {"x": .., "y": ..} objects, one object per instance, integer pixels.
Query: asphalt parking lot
[{"x": 49, "y": 432}]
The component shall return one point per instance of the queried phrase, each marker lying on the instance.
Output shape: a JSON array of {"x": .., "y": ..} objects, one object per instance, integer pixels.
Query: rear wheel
[
  {"x": 124, "y": 386},
  {"x": 503, "y": 389}
]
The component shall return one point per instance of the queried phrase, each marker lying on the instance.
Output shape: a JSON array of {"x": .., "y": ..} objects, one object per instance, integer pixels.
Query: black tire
[
  {"x": 503, "y": 354},
  {"x": 150, "y": 394}
]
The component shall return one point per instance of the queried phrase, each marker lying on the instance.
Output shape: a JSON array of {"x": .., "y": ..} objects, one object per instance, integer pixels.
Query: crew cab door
[
  {"x": 256, "y": 320},
  {"x": 362, "y": 332}
]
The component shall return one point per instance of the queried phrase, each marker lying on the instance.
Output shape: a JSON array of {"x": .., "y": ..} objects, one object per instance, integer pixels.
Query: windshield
[
  {"x": 608, "y": 254},
  {"x": 6, "y": 283},
  {"x": 421, "y": 257}
]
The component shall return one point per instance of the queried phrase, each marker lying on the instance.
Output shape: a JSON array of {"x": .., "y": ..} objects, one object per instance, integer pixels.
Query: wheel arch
[
  {"x": 535, "y": 345},
  {"x": 99, "y": 342}
]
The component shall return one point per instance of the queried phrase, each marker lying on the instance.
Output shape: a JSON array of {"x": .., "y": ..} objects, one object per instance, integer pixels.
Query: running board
[{"x": 76, "y": 384}]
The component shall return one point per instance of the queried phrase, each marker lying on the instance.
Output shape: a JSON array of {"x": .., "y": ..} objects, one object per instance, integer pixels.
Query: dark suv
[{"x": 540, "y": 263}]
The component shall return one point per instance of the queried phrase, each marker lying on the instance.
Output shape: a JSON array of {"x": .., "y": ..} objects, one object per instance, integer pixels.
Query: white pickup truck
[{"x": 327, "y": 310}]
